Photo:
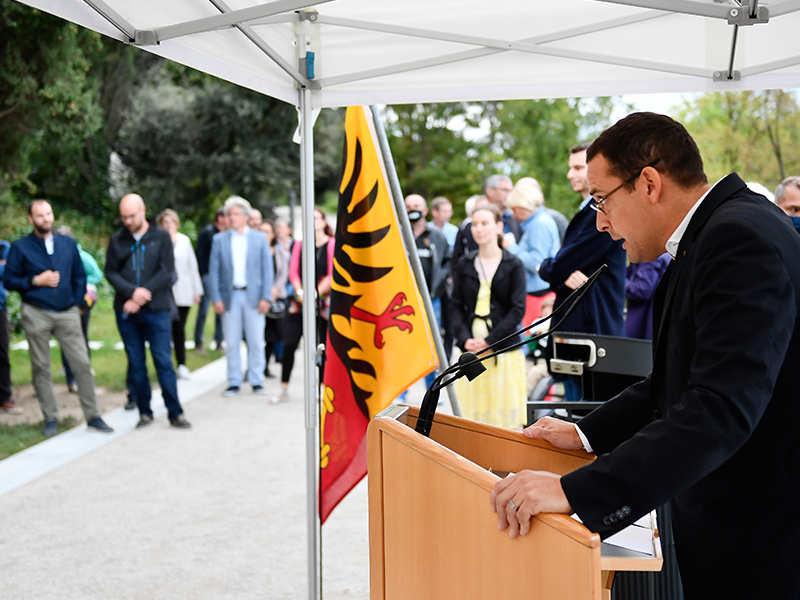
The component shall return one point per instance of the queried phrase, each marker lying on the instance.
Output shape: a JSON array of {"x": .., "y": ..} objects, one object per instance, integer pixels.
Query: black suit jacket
[
  {"x": 507, "y": 304},
  {"x": 585, "y": 249},
  {"x": 714, "y": 427}
]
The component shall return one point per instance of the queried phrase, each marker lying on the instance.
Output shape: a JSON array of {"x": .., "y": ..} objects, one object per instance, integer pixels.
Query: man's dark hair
[
  {"x": 32, "y": 202},
  {"x": 641, "y": 139},
  {"x": 221, "y": 212},
  {"x": 580, "y": 147}
]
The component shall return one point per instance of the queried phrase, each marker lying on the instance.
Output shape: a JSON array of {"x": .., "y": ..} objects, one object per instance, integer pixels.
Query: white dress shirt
[
  {"x": 239, "y": 256},
  {"x": 672, "y": 248}
]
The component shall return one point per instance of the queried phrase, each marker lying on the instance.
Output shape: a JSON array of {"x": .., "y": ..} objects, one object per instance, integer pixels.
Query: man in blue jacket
[
  {"x": 46, "y": 269},
  {"x": 584, "y": 250},
  {"x": 140, "y": 266},
  {"x": 240, "y": 276}
]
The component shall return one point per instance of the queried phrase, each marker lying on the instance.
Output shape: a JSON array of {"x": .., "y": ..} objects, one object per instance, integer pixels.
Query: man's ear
[{"x": 653, "y": 184}]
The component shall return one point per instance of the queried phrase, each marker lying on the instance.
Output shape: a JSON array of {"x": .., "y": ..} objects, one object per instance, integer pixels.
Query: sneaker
[
  {"x": 183, "y": 372},
  {"x": 131, "y": 404},
  {"x": 99, "y": 425},
  {"x": 144, "y": 421},
  {"x": 259, "y": 389},
  {"x": 180, "y": 422},
  {"x": 231, "y": 391},
  {"x": 280, "y": 398},
  {"x": 72, "y": 386},
  {"x": 10, "y": 407},
  {"x": 50, "y": 429}
]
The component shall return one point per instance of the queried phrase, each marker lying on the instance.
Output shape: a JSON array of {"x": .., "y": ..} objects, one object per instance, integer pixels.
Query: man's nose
[{"x": 603, "y": 224}]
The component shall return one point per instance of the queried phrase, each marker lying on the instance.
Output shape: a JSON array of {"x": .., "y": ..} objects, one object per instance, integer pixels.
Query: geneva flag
[{"x": 379, "y": 341}]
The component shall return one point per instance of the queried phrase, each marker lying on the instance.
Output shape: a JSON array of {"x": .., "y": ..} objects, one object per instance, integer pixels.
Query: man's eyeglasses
[{"x": 596, "y": 202}]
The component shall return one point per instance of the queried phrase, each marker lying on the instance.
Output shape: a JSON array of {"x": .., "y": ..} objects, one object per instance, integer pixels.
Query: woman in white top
[{"x": 187, "y": 290}]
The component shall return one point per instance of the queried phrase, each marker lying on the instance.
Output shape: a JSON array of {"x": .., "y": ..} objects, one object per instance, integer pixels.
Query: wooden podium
[{"x": 434, "y": 536}]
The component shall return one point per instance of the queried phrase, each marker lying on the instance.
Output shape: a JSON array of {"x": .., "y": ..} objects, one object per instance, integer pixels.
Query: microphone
[{"x": 470, "y": 365}]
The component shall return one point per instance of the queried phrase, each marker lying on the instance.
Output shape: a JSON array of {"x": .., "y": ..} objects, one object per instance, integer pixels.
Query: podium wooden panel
[{"x": 433, "y": 535}]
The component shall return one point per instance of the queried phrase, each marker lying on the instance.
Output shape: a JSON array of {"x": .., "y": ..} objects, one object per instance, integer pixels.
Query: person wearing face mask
[
  {"x": 434, "y": 255},
  {"x": 787, "y": 198}
]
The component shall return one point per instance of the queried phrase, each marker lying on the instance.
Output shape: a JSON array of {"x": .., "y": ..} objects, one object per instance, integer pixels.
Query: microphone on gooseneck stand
[{"x": 470, "y": 365}]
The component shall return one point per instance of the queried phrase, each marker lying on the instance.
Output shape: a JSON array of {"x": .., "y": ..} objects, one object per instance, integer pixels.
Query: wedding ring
[{"x": 513, "y": 506}]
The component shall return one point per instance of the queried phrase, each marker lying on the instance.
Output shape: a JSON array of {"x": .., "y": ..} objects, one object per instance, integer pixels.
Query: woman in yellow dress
[{"x": 488, "y": 303}]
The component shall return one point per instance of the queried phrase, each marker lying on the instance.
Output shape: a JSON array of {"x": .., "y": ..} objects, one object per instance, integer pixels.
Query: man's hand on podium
[
  {"x": 559, "y": 433},
  {"x": 519, "y": 497}
]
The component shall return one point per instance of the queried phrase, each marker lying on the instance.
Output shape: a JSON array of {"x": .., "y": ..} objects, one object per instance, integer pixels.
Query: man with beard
[
  {"x": 46, "y": 269},
  {"x": 140, "y": 265}
]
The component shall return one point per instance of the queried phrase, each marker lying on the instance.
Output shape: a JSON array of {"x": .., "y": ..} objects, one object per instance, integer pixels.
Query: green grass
[
  {"x": 110, "y": 365},
  {"x": 15, "y": 438}
]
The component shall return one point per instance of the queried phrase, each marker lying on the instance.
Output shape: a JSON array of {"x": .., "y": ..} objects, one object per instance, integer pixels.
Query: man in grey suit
[{"x": 240, "y": 275}]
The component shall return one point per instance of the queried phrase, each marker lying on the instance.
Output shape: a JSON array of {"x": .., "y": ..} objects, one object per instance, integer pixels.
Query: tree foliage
[
  {"x": 432, "y": 151},
  {"x": 450, "y": 149},
  {"x": 70, "y": 100},
  {"x": 188, "y": 145},
  {"x": 533, "y": 138},
  {"x": 49, "y": 115},
  {"x": 755, "y": 133}
]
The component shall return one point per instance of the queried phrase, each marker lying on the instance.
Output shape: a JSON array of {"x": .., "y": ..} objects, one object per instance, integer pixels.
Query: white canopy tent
[
  {"x": 376, "y": 51},
  {"x": 355, "y": 52}
]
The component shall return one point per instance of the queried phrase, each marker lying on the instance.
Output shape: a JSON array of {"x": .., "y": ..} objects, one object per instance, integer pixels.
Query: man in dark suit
[
  {"x": 713, "y": 428},
  {"x": 203, "y": 251},
  {"x": 583, "y": 251}
]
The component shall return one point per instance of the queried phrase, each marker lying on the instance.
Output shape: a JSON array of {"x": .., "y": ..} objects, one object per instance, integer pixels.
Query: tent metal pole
[
  {"x": 310, "y": 387},
  {"x": 408, "y": 241},
  {"x": 229, "y": 19},
  {"x": 733, "y": 51},
  {"x": 113, "y": 17}
]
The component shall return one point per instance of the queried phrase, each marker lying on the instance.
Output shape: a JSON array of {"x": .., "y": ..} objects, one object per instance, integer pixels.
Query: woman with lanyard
[
  {"x": 487, "y": 305},
  {"x": 293, "y": 324}
]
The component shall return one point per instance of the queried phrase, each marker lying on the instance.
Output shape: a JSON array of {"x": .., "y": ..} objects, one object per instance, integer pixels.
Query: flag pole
[
  {"x": 310, "y": 388},
  {"x": 408, "y": 240}
]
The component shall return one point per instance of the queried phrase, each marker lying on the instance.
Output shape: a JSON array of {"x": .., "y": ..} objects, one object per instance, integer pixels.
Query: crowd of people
[
  {"x": 512, "y": 261},
  {"x": 245, "y": 267}
]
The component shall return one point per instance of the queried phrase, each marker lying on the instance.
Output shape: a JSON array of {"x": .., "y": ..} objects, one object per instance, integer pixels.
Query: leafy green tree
[
  {"x": 532, "y": 138},
  {"x": 450, "y": 149},
  {"x": 190, "y": 145},
  {"x": 432, "y": 151},
  {"x": 50, "y": 117},
  {"x": 754, "y": 133}
]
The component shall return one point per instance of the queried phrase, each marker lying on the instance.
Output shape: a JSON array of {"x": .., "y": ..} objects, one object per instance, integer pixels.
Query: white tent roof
[{"x": 389, "y": 51}]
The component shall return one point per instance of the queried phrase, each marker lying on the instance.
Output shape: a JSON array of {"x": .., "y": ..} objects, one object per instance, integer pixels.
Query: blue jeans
[{"x": 156, "y": 328}]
